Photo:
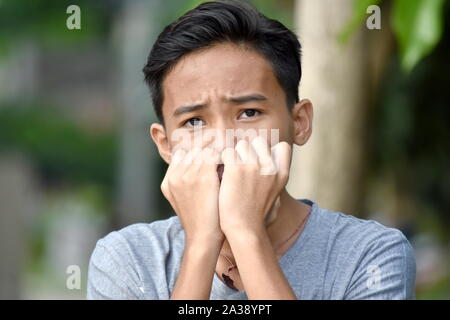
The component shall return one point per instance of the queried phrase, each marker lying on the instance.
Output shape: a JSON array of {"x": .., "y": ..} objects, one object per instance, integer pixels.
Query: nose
[
  {"x": 217, "y": 138},
  {"x": 224, "y": 137}
]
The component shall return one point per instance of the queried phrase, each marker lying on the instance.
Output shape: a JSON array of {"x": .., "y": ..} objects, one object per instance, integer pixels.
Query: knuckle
[
  {"x": 253, "y": 168},
  {"x": 283, "y": 175},
  {"x": 173, "y": 181},
  {"x": 187, "y": 179},
  {"x": 203, "y": 178},
  {"x": 184, "y": 179},
  {"x": 164, "y": 187}
]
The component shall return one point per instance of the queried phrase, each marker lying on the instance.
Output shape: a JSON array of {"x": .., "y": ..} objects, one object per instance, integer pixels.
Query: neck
[{"x": 290, "y": 213}]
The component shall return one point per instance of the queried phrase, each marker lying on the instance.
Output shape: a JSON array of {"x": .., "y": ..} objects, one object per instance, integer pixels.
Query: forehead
[{"x": 224, "y": 69}]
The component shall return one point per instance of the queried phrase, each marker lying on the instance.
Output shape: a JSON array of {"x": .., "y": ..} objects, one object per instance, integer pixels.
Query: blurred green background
[{"x": 76, "y": 159}]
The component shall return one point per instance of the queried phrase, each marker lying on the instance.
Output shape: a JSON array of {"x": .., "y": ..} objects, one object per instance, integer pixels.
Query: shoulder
[
  {"x": 366, "y": 251},
  {"x": 136, "y": 261},
  {"x": 161, "y": 233},
  {"x": 141, "y": 242},
  {"x": 352, "y": 232}
]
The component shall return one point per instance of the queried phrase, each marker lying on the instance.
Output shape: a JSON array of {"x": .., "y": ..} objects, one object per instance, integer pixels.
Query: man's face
[{"x": 225, "y": 87}]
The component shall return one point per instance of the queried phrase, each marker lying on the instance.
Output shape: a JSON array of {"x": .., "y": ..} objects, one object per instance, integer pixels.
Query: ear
[
  {"x": 159, "y": 136},
  {"x": 302, "y": 114}
]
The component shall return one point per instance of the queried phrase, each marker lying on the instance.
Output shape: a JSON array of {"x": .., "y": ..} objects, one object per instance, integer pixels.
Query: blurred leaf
[
  {"x": 276, "y": 9},
  {"x": 418, "y": 27},
  {"x": 62, "y": 150},
  {"x": 359, "y": 15},
  {"x": 45, "y": 21}
]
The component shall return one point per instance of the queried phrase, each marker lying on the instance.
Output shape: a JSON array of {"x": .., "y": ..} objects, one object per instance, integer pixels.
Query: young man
[{"x": 237, "y": 233}]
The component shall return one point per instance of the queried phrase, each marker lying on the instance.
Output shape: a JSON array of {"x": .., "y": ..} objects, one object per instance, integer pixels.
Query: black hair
[{"x": 221, "y": 21}]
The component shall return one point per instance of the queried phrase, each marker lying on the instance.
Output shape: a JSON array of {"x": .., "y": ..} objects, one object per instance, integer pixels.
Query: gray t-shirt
[{"x": 337, "y": 256}]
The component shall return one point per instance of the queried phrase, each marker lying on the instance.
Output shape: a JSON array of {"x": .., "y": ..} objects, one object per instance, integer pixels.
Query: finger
[
  {"x": 179, "y": 146},
  {"x": 246, "y": 152},
  {"x": 203, "y": 161},
  {"x": 261, "y": 148},
  {"x": 177, "y": 167},
  {"x": 281, "y": 153},
  {"x": 191, "y": 155},
  {"x": 211, "y": 157},
  {"x": 210, "y": 160},
  {"x": 229, "y": 156},
  {"x": 177, "y": 157},
  {"x": 192, "y": 170},
  {"x": 202, "y": 157}
]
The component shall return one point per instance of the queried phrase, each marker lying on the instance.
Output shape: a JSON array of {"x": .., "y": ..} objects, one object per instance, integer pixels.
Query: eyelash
[
  {"x": 257, "y": 112},
  {"x": 185, "y": 123}
]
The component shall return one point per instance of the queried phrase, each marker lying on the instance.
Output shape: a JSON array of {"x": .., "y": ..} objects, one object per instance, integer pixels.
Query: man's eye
[
  {"x": 249, "y": 113},
  {"x": 194, "y": 122}
]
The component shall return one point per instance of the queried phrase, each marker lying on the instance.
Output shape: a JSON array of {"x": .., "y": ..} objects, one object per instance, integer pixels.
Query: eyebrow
[
  {"x": 186, "y": 109},
  {"x": 248, "y": 98},
  {"x": 239, "y": 99}
]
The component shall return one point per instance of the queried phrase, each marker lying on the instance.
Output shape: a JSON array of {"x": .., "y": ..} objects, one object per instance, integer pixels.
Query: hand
[
  {"x": 254, "y": 176},
  {"x": 191, "y": 185}
]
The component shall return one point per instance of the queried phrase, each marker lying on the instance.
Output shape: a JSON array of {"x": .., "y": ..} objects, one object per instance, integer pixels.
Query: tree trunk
[
  {"x": 138, "y": 188},
  {"x": 339, "y": 79},
  {"x": 19, "y": 202}
]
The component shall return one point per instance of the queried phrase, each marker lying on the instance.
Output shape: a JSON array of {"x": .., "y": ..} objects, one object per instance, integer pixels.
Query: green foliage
[
  {"x": 274, "y": 9},
  {"x": 61, "y": 150},
  {"x": 438, "y": 291},
  {"x": 418, "y": 27},
  {"x": 45, "y": 21},
  {"x": 359, "y": 15},
  {"x": 411, "y": 135},
  {"x": 278, "y": 10}
]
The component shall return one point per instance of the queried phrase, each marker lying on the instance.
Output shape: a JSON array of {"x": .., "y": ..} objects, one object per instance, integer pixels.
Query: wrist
[
  {"x": 241, "y": 222},
  {"x": 246, "y": 243},
  {"x": 205, "y": 243},
  {"x": 201, "y": 251},
  {"x": 202, "y": 258},
  {"x": 245, "y": 233}
]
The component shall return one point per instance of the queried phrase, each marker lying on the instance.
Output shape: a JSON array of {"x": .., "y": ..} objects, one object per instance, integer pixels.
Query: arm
[
  {"x": 196, "y": 271},
  {"x": 192, "y": 186},
  {"x": 387, "y": 270},
  {"x": 109, "y": 277},
  {"x": 248, "y": 191},
  {"x": 258, "y": 266}
]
